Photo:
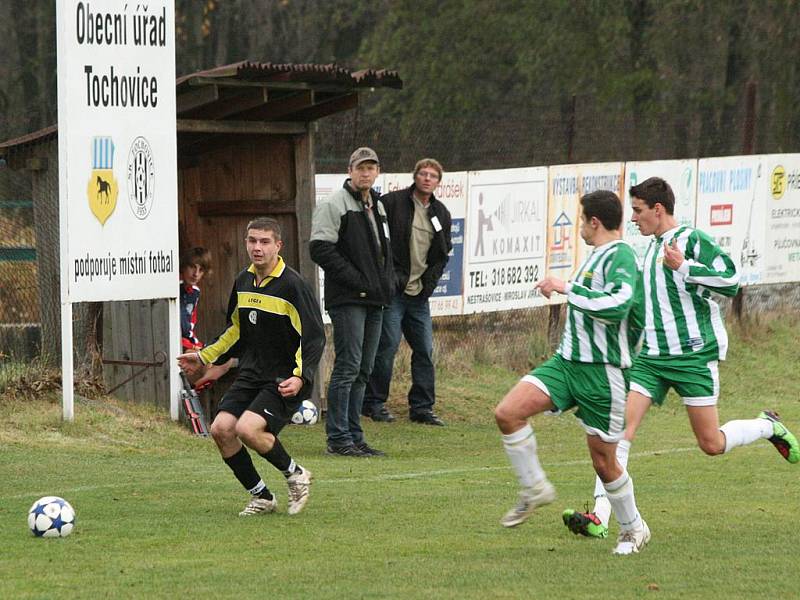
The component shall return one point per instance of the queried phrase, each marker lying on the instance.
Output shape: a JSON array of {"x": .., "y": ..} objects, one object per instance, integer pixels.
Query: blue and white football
[
  {"x": 307, "y": 413},
  {"x": 51, "y": 516}
]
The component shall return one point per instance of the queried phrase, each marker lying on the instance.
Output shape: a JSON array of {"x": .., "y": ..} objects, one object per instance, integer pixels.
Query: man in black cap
[{"x": 350, "y": 242}]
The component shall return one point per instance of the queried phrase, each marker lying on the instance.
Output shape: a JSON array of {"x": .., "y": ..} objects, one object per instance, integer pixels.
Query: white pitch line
[
  {"x": 386, "y": 477},
  {"x": 421, "y": 474}
]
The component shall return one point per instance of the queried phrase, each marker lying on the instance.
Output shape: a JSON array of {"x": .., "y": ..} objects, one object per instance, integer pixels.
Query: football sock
[
  {"x": 745, "y": 431},
  {"x": 602, "y": 507},
  {"x": 280, "y": 459},
  {"x": 242, "y": 466},
  {"x": 520, "y": 447},
  {"x": 620, "y": 494}
]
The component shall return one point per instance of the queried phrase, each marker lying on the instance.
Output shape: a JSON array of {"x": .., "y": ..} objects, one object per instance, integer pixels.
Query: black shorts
[{"x": 264, "y": 400}]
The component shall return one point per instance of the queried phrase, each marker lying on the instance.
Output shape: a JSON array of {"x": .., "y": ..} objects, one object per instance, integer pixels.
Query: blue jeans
[
  {"x": 409, "y": 316},
  {"x": 356, "y": 332}
]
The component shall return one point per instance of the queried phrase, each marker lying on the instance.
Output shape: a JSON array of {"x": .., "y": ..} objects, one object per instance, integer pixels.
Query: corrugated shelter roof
[
  {"x": 247, "y": 92},
  {"x": 300, "y": 73}
]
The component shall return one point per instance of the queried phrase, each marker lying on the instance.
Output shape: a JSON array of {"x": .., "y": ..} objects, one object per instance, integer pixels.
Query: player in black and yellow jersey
[{"x": 275, "y": 331}]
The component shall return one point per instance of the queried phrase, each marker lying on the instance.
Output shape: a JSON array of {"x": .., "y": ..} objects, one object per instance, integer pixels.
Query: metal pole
[
  {"x": 67, "y": 375},
  {"x": 748, "y": 145}
]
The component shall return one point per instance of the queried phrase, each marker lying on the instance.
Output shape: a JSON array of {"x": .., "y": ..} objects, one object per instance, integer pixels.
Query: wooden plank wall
[
  {"x": 137, "y": 330},
  {"x": 258, "y": 176},
  {"x": 258, "y": 169}
]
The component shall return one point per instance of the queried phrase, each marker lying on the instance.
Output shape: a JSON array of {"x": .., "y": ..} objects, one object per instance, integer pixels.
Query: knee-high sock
[
  {"x": 602, "y": 507},
  {"x": 520, "y": 447},
  {"x": 620, "y": 494},
  {"x": 242, "y": 466},
  {"x": 746, "y": 431},
  {"x": 280, "y": 459}
]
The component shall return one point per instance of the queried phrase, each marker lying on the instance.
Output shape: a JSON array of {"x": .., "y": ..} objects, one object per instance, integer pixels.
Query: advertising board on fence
[
  {"x": 780, "y": 186},
  {"x": 506, "y": 239},
  {"x": 117, "y": 150},
  {"x": 731, "y": 210},
  {"x": 567, "y": 183},
  {"x": 681, "y": 175}
]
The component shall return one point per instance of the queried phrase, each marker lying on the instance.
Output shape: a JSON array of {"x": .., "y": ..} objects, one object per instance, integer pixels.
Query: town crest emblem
[{"x": 102, "y": 188}]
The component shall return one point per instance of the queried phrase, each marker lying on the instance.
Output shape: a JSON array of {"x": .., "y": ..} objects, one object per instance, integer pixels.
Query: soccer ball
[
  {"x": 307, "y": 414},
  {"x": 51, "y": 516}
]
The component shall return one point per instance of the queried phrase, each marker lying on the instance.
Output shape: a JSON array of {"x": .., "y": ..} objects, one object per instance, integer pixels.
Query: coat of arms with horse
[{"x": 102, "y": 189}]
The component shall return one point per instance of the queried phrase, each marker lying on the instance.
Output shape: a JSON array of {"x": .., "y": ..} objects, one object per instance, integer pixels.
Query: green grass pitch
[{"x": 157, "y": 509}]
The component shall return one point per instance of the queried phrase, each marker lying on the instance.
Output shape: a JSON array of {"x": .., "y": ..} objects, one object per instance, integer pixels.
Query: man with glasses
[{"x": 419, "y": 227}]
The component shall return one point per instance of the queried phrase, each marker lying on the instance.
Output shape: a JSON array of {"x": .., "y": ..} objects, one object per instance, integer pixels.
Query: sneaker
[
  {"x": 379, "y": 414},
  {"x": 540, "y": 494},
  {"x": 426, "y": 418},
  {"x": 369, "y": 450},
  {"x": 350, "y": 450},
  {"x": 632, "y": 540},
  {"x": 298, "y": 482},
  {"x": 782, "y": 438},
  {"x": 259, "y": 506},
  {"x": 584, "y": 523}
]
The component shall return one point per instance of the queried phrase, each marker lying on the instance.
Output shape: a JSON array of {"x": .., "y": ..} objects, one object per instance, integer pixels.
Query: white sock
[
  {"x": 620, "y": 494},
  {"x": 602, "y": 507},
  {"x": 256, "y": 491},
  {"x": 746, "y": 431},
  {"x": 520, "y": 447}
]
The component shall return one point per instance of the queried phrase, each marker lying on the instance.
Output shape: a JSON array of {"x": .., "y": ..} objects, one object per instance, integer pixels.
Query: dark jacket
[
  {"x": 357, "y": 269},
  {"x": 400, "y": 212}
]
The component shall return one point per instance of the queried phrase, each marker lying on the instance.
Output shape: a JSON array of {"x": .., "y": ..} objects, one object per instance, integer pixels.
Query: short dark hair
[
  {"x": 605, "y": 205},
  {"x": 654, "y": 190},
  {"x": 266, "y": 224},
  {"x": 197, "y": 256}
]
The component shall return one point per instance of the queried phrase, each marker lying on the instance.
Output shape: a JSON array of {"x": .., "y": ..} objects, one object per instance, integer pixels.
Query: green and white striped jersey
[
  {"x": 601, "y": 326},
  {"x": 681, "y": 318}
]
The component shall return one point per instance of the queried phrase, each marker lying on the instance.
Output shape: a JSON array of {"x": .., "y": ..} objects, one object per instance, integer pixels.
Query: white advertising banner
[
  {"x": 506, "y": 238},
  {"x": 117, "y": 150},
  {"x": 731, "y": 210},
  {"x": 681, "y": 175},
  {"x": 448, "y": 297},
  {"x": 567, "y": 183},
  {"x": 780, "y": 187}
]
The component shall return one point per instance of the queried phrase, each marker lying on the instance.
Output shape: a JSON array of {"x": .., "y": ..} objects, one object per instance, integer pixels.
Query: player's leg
[
  {"x": 259, "y": 428},
  {"x": 235, "y": 455},
  {"x": 528, "y": 397},
  {"x": 619, "y": 491},
  {"x": 600, "y": 393},
  {"x": 699, "y": 388},
  {"x": 714, "y": 439},
  {"x": 645, "y": 385}
]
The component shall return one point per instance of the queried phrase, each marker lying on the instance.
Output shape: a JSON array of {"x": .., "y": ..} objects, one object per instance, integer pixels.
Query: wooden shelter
[{"x": 245, "y": 149}]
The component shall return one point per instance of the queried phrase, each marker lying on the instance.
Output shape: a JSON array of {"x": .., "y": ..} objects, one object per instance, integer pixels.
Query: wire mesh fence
[
  {"x": 516, "y": 339},
  {"x": 19, "y": 289}
]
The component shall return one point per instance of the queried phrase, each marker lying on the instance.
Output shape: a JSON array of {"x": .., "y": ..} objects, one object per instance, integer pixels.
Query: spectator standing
[
  {"x": 350, "y": 242},
  {"x": 419, "y": 226}
]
